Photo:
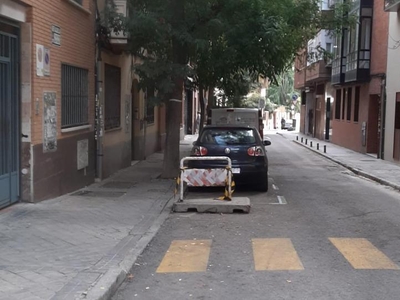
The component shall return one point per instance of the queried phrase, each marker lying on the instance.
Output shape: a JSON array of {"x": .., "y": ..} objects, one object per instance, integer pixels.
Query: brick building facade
[
  {"x": 54, "y": 92},
  {"x": 350, "y": 102}
]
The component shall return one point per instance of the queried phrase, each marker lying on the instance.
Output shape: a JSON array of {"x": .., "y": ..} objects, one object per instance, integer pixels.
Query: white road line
[
  {"x": 275, "y": 187},
  {"x": 282, "y": 200}
]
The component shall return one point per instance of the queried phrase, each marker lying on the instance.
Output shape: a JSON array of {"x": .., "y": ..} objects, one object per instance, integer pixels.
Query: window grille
[
  {"x": 349, "y": 102},
  {"x": 338, "y": 103},
  {"x": 74, "y": 96}
]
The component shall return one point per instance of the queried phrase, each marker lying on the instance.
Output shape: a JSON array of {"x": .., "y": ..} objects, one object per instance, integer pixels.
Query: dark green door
[{"x": 9, "y": 117}]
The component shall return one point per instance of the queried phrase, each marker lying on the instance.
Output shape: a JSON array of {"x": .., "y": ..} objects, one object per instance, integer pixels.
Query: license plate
[{"x": 236, "y": 170}]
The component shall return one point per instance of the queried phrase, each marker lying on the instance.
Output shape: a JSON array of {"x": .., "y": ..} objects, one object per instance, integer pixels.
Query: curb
[
  {"x": 354, "y": 170},
  {"x": 109, "y": 283}
]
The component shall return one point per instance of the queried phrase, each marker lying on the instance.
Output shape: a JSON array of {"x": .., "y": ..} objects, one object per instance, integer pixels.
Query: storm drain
[
  {"x": 120, "y": 185},
  {"x": 98, "y": 194}
]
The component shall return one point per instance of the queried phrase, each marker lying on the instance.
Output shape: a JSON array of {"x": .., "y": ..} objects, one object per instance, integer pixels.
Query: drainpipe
[
  {"x": 383, "y": 118},
  {"x": 99, "y": 104}
]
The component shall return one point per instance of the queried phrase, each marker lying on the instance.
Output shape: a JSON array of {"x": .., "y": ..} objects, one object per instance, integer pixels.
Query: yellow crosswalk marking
[
  {"x": 361, "y": 254},
  {"x": 275, "y": 254},
  {"x": 186, "y": 256}
]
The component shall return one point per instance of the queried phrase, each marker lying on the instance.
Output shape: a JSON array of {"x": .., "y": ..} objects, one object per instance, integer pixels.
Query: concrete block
[{"x": 237, "y": 205}]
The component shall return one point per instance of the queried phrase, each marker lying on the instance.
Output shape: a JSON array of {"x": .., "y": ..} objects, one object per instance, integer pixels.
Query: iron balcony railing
[{"x": 392, "y": 5}]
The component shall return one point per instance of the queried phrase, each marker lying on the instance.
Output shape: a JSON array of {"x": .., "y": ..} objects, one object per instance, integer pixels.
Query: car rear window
[{"x": 228, "y": 136}]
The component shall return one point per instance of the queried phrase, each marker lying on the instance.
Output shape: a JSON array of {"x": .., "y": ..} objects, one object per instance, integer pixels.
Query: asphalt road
[{"x": 337, "y": 237}]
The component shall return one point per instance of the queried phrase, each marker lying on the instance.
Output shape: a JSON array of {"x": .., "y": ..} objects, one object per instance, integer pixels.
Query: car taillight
[
  {"x": 199, "y": 151},
  {"x": 255, "y": 151}
]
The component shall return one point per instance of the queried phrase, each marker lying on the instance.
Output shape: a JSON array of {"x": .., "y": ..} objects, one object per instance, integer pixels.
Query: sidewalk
[
  {"x": 381, "y": 171},
  {"x": 82, "y": 245}
]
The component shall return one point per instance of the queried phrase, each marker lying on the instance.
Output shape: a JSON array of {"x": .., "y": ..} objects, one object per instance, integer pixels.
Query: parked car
[
  {"x": 287, "y": 125},
  {"x": 243, "y": 145}
]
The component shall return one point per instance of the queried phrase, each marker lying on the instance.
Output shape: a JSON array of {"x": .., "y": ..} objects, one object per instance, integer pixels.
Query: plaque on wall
[{"x": 49, "y": 122}]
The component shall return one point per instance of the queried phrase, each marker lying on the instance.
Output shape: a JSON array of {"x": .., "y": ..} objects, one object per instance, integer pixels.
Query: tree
[
  {"x": 281, "y": 92},
  {"x": 217, "y": 42}
]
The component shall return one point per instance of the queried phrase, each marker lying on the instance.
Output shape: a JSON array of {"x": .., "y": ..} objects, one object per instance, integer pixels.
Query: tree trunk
[
  {"x": 173, "y": 124},
  {"x": 202, "y": 107},
  {"x": 211, "y": 101},
  {"x": 179, "y": 56}
]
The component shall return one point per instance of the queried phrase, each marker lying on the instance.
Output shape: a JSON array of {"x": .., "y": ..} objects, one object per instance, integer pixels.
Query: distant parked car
[
  {"x": 287, "y": 125},
  {"x": 243, "y": 145}
]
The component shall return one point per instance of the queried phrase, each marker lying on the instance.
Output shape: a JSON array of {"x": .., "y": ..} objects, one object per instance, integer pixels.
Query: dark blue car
[{"x": 243, "y": 145}]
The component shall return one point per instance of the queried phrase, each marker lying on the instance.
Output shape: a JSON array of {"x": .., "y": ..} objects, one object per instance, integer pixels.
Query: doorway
[{"x": 9, "y": 115}]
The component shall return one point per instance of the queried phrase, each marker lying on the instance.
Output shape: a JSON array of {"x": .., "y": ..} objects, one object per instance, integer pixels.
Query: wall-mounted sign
[
  {"x": 49, "y": 122},
  {"x": 56, "y": 35},
  {"x": 46, "y": 62},
  {"x": 42, "y": 61},
  {"x": 39, "y": 60}
]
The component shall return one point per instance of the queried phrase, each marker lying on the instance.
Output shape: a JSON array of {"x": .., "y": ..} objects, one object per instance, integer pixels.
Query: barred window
[
  {"x": 112, "y": 95},
  {"x": 74, "y": 96},
  {"x": 338, "y": 103}
]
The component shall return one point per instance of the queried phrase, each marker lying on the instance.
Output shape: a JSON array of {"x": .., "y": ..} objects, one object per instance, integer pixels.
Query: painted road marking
[
  {"x": 275, "y": 254},
  {"x": 186, "y": 256},
  {"x": 282, "y": 200},
  {"x": 275, "y": 187},
  {"x": 361, "y": 254}
]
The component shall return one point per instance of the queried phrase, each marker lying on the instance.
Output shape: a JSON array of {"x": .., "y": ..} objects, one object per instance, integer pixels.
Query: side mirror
[{"x": 267, "y": 142}]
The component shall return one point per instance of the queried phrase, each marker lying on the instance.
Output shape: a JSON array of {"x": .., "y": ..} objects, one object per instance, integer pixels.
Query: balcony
[
  {"x": 119, "y": 38},
  {"x": 392, "y": 5},
  {"x": 318, "y": 71},
  {"x": 300, "y": 79},
  {"x": 358, "y": 66}
]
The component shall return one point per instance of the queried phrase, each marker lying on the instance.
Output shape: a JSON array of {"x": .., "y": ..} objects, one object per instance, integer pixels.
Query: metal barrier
[{"x": 206, "y": 177}]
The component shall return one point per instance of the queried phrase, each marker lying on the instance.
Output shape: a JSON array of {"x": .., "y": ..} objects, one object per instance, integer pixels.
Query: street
[{"x": 319, "y": 233}]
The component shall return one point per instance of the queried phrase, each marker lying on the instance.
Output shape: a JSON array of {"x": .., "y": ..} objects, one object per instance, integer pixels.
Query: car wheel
[{"x": 263, "y": 184}]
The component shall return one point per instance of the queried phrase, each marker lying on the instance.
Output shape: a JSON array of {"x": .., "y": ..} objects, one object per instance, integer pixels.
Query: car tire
[{"x": 263, "y": 184}]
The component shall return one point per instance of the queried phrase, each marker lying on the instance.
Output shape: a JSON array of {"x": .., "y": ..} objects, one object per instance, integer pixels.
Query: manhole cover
[
  {"x": 123, "y": 185},
  {"x": 98, "y": 194}
]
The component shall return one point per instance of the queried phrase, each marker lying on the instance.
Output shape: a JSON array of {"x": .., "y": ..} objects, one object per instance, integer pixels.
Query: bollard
[
  {"x": 324, "y": 148},
  {"x": 311, "y": 144},
  {"x": 306, "y": 141},
  {"x": 317, "y": 146},
  {"x": 302, "y": 140},
  {"x": 297, "y": 137}
]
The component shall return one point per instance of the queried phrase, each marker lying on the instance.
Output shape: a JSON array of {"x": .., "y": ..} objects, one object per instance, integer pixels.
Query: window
[
  {"x": 344, "y": 98},
  {"x": 228, "y": 136},
  {"x": 356, "y": 104},
  {"x": 112, "y": 97},
  {"x": 80, "y": 2},
  {"x": 74, "y": 96},
  {"x": 365, "y": 45},
  {"x": 328, "y": 47},
  {"x": 150, "y": 106},
  {"x": 397, "y": 112},
  {"x": 338, "y": 102},
  {"x": 349, "y": 100}
]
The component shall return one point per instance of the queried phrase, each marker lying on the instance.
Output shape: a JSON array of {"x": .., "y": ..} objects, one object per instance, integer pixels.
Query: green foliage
[
  {"x": 254, "y": 100},
  {"x": 221, "y": 39},
  {"x": 281, "y": 93}
]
